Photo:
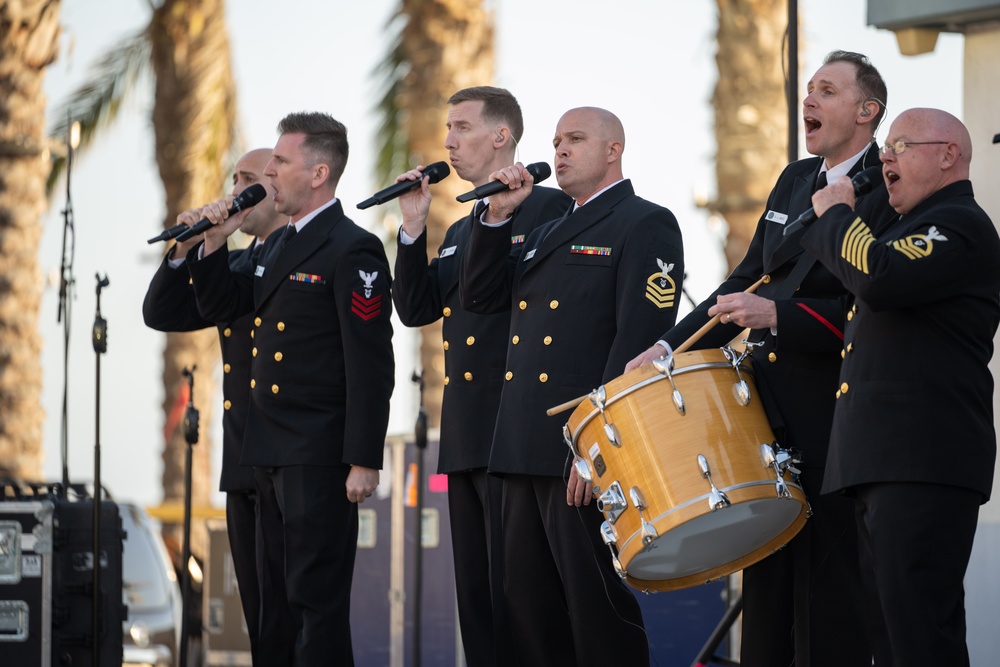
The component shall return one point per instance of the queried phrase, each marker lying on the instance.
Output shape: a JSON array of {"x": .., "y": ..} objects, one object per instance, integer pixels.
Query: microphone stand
[
  {"x": 66, "y": 283},
  {"x": 100, "y": 341},
  {"x": 191, "y": 436},
  {"x": 420, "y": 440}
]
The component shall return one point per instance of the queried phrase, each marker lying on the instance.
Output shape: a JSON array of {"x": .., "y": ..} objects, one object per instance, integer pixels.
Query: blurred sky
[{"x": 652, "y": 62}]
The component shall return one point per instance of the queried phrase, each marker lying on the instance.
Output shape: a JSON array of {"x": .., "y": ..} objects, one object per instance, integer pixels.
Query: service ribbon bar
[
  {"x": 516, "y": 240},
  {"x": 306, "y": 278},
  {"x": 589, "y": 250}
]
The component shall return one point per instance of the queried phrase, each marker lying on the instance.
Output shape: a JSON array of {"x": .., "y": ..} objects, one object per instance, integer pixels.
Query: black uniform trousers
[
  {"x": 474, "y": 509},
  {"x": 241, "y": 526},
  {"x": 915, "y": 543},
  {"x": 310, "y": 530},
  {"x": 557, "y": 568}
]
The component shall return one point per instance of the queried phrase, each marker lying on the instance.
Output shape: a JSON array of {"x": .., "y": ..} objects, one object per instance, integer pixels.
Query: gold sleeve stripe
[
  {"x": 856, "y": 244},
  {"x": 911, "y": 249}
]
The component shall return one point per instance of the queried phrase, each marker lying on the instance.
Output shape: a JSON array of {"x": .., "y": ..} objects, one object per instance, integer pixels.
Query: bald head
[
  {"x": 589, "y": 143},
  {"x": 938, "y": 152},
  {"x": 263, "y": 219}
]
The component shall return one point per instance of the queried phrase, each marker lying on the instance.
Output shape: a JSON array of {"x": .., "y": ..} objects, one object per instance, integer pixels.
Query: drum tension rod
[
  {"x": 717, "y": 500},
  {"x": 665, "y": 366}
]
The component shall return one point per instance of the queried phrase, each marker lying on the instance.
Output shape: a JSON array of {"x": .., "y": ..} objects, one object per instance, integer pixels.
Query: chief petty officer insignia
[
  {"x": 918, "y": 246},
  {"x": 660, "y": 287},
  {"x": 368, "y": 306}
]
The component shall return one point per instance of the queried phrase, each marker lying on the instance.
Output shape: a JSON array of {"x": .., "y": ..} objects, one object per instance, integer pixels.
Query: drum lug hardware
[
  {"x": 568, "y": 440},
  {"x": 638, "y": 500},
  {"x": 665, "y": 366},
  {"x": 717, "y": 500},
  {"x": 612, "y": 502},
  {"x": 780, "y": 461},
  {"x": 599, "y": 398},
  {"x": 742, "y": 391},
  {"x": 582, "y": 470},
  {"x": 608, "y": 533},
  {"x": 611, "y": 432},
  {"x": 649, "y": 533}
]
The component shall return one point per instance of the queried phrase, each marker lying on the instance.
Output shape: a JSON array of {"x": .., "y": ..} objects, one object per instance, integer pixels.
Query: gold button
[
  {"x": 226, "y": 404},
  {"x": 766, "y": 279},
  {"x": 544, "y": 377},
  {"x": 468, "y": 376},
  {"x": 470, "y": 340},
  {"x": 838, "y": 393},
  {"x": 844, "y": 388},
  {"x": 553, "y": 304},
  {"x": 278, "y": 356},
  {"x": 446, "y": 346},
  {"x": 226, "y": 368},
  {"x": 522, "y": 305},
  {"x": 227, "y": 332},
  {"x": 251, "y": 333},
  {"x": 854, "y": 308},
  {"x": 446, "y": 380},
  {"x": 256, "y": 321},
  {"x": 447, "y": 311},
  {"x": 253, "y": 383},
  {"x": 255, "y": 352},
  {"x": 772, "y": 357},
  {"x": 843, "y": 354},
  {"x": 509, "y": 376},
  {"x": 515, "y": 340},
  {"x": 850, "y": 347},
  {"x": 850, "y": 316},
  {"x": 274, "y": 389},
  {"x": 281, "y": 326},
  {"x": 547, "y": 340}
]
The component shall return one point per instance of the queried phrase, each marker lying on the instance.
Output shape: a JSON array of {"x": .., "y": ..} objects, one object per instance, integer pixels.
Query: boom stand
[
  {"x": 191, "y": 437},
  {"x": 100, "y": 340},
  {"x": 707, "y": 654},
  {"x": 420, "y": 440}
]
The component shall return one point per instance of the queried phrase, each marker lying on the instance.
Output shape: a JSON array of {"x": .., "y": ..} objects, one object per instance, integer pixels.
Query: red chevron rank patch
[{"x": 366, "y": 309}]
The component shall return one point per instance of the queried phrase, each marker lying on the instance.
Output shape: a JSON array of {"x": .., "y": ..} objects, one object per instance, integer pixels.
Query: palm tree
[
  {"x": 441, "y": 46},
  {"x": 29, "y": 32},
  {"x": 185, "y": 51},
  {"x": 750, "y": 114}
]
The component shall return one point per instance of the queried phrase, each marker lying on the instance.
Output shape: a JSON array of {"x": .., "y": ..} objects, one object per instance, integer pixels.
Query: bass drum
[{"x": 686, "y": 470}]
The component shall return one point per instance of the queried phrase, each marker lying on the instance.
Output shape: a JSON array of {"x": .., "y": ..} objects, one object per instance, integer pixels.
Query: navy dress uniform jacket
[
  {"x": 915, "y": 397},
  {"x": 170, "y": 305},
  {"x": 475, "y": 345},
  {"x": 587, "y": 293},
  {"x": 322, "y": 369},
  {"x": 797, "y": 366}
]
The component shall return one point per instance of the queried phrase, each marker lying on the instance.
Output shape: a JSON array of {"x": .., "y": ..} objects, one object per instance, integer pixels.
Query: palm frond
[
  {"x": 391, "y": 143},
  {"x": 96, "y": 102}
]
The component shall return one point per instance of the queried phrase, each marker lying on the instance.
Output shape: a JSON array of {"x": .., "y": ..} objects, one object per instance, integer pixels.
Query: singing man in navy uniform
[
  {"x": 586, "y": 294},
  {"x": 484, "y": 126},
  {"x": 914, "y": 443},
  {"x": 170, "y": 305},
  {"x": 322, "y": 376}
]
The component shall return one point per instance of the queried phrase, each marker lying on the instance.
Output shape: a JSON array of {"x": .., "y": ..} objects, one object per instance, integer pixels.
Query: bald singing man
[{"x": 913, "y": 443}]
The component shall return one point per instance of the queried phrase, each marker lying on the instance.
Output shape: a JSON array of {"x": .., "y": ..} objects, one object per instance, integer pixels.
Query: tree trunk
[
  {"x": 449, "y": 46},
  {"x": 751, "y": 122},
  {"x": 193, "y": 120},
  {"x": 29, "y": 31}
]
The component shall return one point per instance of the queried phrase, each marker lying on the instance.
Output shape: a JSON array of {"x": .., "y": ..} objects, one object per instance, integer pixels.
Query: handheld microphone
[
  {"x": 246, "y": 199},
  {"x": 435, "y": 172},
  {"x": 168, "y": 234},
  {"x": 864, "y": 182},
  {"x": 538, "y": 170}
]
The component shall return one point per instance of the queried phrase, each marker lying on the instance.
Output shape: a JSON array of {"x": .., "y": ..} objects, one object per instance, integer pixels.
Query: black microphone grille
[
  {"x": 867, "y": 180},
  {"x": 539, "y": 171},
  {"x": 251, "y": 196},
  {"x": 436, "y": 171}
]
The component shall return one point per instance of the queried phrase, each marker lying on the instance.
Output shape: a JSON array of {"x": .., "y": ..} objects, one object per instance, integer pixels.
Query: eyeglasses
[{"x": 899, "y": 147}]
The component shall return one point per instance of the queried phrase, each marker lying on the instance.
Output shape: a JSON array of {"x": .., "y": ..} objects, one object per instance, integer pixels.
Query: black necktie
[
  {"x": 255, "y": 253},
  {"x": 820, "y": 181},
  {"x": 286, "y": 236},
  {"x": 477, "y": 210}
]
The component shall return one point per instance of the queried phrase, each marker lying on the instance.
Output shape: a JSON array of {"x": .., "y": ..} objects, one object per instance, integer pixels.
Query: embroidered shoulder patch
[
  {"x": 369, "y": 306},
  {"x": 661, "y": 289},
  {"x": 918, "y": 246}
]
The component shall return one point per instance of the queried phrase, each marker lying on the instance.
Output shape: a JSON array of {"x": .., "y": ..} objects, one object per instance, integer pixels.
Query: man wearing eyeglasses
[
  {"x": 802, "y": 605},
  {"x": 914, "y": 443}
]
